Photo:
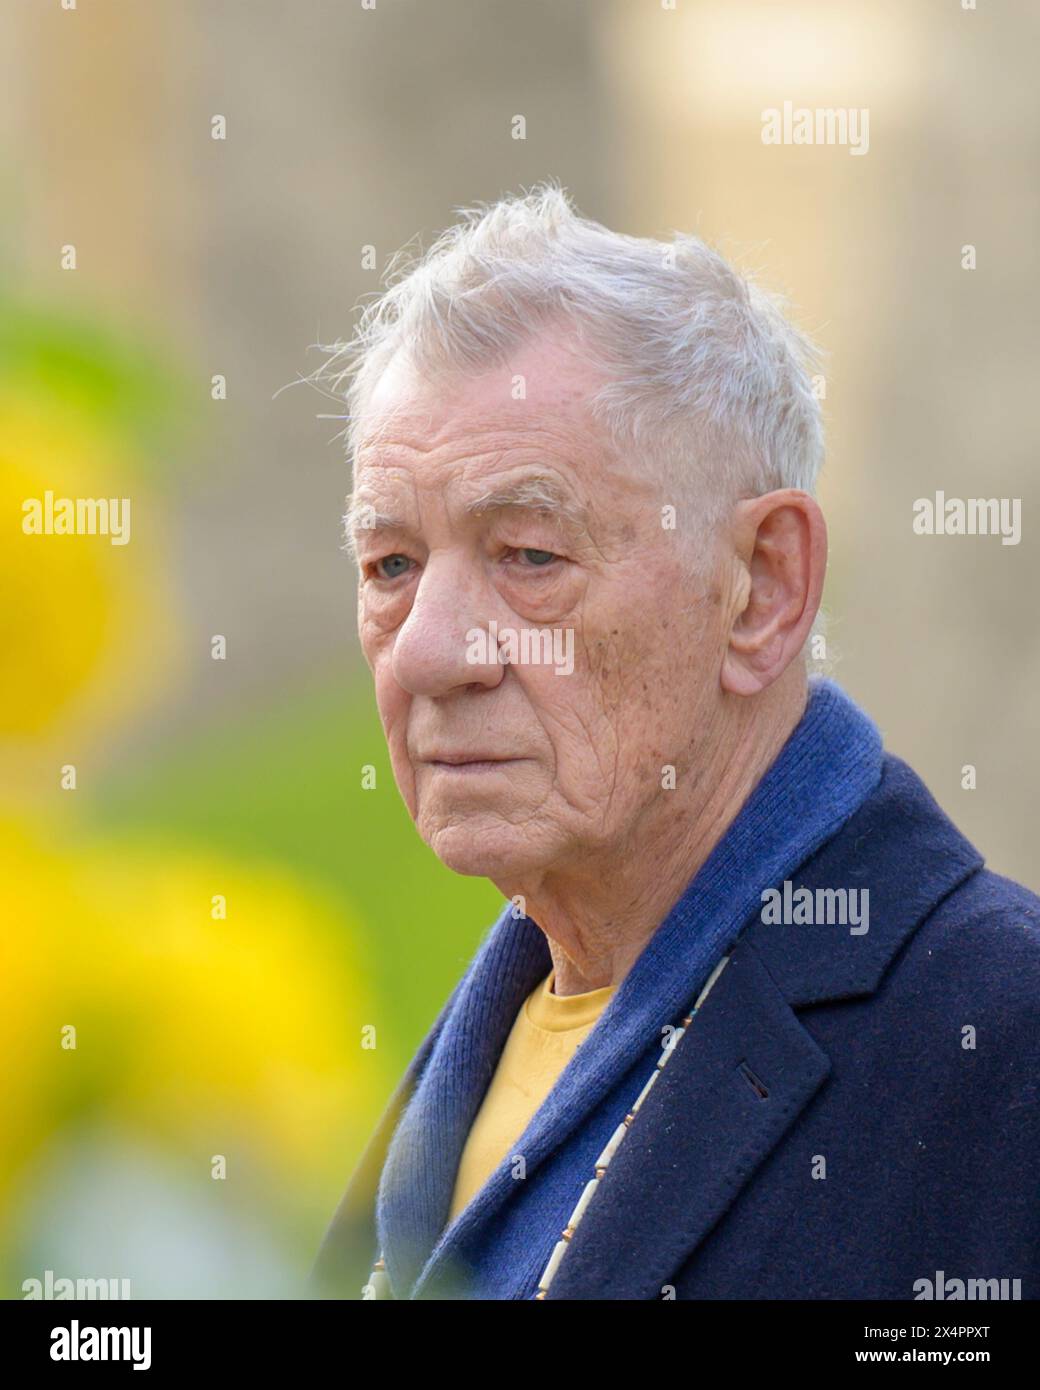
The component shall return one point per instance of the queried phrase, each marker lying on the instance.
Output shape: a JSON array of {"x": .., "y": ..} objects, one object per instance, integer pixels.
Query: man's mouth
[{"x": 469, "y": 762}]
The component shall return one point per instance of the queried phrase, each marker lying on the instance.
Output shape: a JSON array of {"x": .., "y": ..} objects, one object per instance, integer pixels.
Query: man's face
[{"x": 514, "y": 770}]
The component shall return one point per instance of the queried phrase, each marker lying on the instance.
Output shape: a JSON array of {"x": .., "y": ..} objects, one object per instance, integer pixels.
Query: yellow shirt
[{"x": 548, "y": 1031}]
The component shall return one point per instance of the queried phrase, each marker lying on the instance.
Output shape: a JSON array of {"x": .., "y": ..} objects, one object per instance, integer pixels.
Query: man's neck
[{"x": 598, "y": 919}]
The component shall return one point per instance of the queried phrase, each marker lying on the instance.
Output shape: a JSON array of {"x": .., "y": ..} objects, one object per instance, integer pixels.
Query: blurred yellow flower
[
  {"x": 86, "y": 628},
  {"x": 238, "y": 1035}
]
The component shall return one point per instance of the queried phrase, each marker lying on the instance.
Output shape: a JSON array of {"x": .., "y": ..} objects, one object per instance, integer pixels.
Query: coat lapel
[
  {"x": 707, "y": 1125},
  {"x": 701, "y": 1132}
]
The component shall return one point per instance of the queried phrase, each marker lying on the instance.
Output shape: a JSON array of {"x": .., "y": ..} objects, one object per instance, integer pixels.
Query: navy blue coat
[{"x": 930, "y": 1147}]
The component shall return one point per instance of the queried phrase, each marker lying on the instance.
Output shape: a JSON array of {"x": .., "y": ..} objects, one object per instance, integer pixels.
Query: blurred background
[{"x": 217, "y": 908}]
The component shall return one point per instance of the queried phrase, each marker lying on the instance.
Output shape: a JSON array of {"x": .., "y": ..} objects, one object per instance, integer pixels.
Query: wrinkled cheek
[
  {"x": 585, "y": 734},
  {"x": 639, "y": 706},
  {"x": 618, "y": 677}
]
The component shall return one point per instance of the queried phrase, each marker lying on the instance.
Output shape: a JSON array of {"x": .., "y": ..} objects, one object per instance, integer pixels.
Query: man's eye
[
  {"x": 537, "y": 559},
  {"x": 392, "y": 566}
]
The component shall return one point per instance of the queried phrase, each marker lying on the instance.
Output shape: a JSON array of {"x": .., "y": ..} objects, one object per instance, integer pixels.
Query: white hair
[{"x": 706, "y": 378}]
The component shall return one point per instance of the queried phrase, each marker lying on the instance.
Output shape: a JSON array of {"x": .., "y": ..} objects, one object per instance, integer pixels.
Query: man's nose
[{"x": 447, "y": 639}]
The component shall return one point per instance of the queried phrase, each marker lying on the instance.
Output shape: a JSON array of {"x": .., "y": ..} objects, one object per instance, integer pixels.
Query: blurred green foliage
[{"x": 98, "y": 373}]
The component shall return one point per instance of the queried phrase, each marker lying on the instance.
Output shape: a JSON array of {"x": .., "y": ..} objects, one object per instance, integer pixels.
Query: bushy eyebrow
[
  {"x": 538, "y": 494},
  {"x": 374, "y": 520},
  {"x": 535, "y": 494}
]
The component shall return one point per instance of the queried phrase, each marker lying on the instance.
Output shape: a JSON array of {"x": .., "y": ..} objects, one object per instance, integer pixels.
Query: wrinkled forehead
[
  {"x": 545, "y": 386},
  {"x": 519, "y": 434}
]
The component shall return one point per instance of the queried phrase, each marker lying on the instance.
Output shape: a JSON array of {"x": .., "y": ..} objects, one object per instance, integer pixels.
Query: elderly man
[{"x": 754, "y": 1020}]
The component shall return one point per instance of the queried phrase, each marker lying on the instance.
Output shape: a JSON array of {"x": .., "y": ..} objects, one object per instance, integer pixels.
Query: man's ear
[{"x": 780, "y": 556}]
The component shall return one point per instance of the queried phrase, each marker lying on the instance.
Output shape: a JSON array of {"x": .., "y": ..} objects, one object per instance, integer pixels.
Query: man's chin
[{"x": 482, "y": 851}]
